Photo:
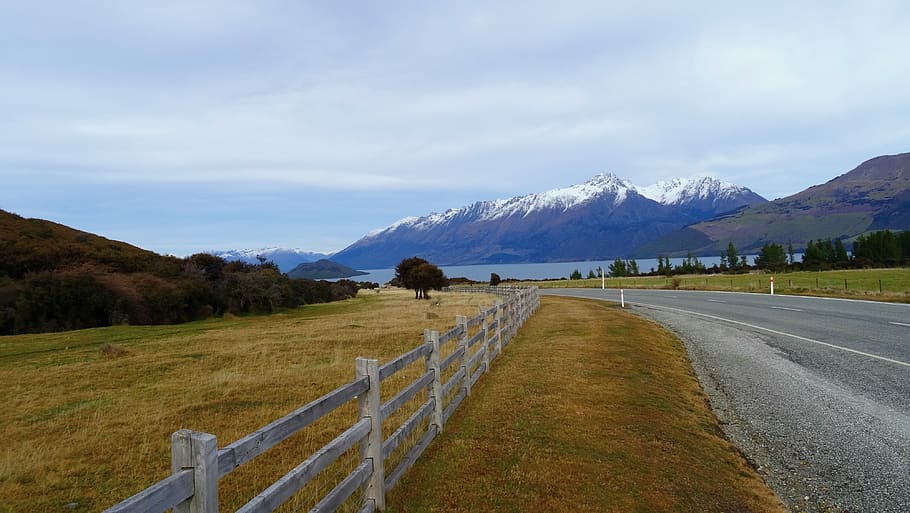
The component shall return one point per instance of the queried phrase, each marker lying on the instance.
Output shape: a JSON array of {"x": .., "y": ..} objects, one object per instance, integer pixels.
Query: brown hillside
[{"x": 34, "y": 245}]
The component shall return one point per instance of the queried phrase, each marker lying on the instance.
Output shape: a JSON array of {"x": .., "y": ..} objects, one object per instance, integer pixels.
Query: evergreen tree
[
  {"x": 772, "y": 257},
  {"x": 618, "y": 268},
  {"x": 730, "y": 257},
  {"x": 691, "y": 265},
  {"x": 814, "y": 255},
  {"x": 879, "y": 248},
  {"x": 840, "y": 253}
]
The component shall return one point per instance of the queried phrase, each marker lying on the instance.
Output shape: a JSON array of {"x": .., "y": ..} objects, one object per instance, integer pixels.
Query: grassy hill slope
[
  {"x": 34, "y": 245},
  {"x": 873, "y": 196}
]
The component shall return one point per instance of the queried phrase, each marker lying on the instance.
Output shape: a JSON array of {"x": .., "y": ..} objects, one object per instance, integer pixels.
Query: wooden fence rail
[{"x": 197, "y": 463}]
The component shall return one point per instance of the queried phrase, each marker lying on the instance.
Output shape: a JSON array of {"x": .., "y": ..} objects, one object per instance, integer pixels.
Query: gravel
[{"x": 821, "y": 444}]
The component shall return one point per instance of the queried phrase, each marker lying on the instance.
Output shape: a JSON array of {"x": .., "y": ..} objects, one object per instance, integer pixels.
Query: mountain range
[
  {"x": 604, "y": 217},
  {"x": 873, "y": 196},
  {"x": 608, "y": 217},
  {"x": 286, "y": 259}
]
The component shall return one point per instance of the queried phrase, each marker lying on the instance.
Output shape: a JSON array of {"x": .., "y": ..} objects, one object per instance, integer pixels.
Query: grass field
[
  {"x": 588, "y": 409},
  {"x": 875, "y": 284},
  {"x": 88, "y": 414},
  {"x": 619, "y": 425}
]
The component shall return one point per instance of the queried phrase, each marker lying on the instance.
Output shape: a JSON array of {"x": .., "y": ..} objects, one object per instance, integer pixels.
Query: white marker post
[
  {"x": 603, "y": 280},
  {"x": 622, "y": 298},
  {"x": 772, "y": 285}
]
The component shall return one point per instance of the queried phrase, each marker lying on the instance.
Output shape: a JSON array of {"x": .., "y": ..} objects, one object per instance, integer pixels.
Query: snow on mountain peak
[
  {"x": 682, "y": 190},
  {"x": 671, "y": 192}
]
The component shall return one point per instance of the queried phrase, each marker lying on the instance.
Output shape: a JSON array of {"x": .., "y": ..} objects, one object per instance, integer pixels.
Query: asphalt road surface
[{"x": 815, "y": 392}]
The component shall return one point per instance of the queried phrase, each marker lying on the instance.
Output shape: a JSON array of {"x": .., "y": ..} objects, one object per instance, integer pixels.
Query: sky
[{"x": 188, "y": 126}]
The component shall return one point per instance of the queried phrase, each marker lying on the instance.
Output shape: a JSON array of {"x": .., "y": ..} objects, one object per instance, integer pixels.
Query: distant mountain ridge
[
  {"x": 285, "y": 258},
  {"x": 603, "y": 217},
  {"x": 873, "y": 196}
]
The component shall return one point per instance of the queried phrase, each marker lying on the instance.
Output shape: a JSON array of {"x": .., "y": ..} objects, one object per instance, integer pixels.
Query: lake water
[{"x": 540, "y": 271}]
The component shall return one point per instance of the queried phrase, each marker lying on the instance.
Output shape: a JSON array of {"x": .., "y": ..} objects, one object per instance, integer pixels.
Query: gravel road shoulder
[{"x": 820, "y": 445}]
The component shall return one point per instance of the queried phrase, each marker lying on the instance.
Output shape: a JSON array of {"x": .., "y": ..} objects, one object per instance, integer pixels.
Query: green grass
[{"x": 875, "y": 284}]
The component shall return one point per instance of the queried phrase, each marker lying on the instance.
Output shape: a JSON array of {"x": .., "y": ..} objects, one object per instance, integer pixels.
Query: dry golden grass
[
  {"x": 588, "y": 409},
  {"x": 88, "y": 415}
]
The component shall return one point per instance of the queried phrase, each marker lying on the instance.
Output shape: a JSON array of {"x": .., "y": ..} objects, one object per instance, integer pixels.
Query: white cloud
[{"x": 505, "y": 97}]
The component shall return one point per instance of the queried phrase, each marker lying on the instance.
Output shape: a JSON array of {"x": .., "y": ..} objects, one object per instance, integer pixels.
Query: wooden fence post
[
  {"x": 198, "y": 452},
  {"x": 369, "y": 404},
  {"x": 510, "y": 315},
  {"x": 462, "y": 322},
  {"x": 432, "y": 338},
  {"x": 486, "y": 347},
  {"x": 500, "y": 308}
]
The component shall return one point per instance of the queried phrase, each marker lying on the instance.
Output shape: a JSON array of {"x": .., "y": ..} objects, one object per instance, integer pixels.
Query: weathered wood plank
[
  {"x": 159, "y": 497},
  {"x": 475, "y": 339},
  {"x": 449, "y": 335},
  {"x": 392, "y": 405},
  {"x": 280, "y": 491},
  {"x": 456, "y": 380},
  {"x": 475, "y": 321},
  {"x": 345, "y": 489},
  {"x": 476, "y": 357},
  {"x": 411, "y": 457},
  {"x": 266, "y": 437},
  {"x": 451, "y": 358},
  {"x": 403, "y": 361},
  {"x": 456, "y": 402},
  {"x": 393, "y": 441}
]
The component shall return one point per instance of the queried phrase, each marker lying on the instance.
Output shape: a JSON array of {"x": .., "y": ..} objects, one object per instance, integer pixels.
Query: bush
[{"x": 54, "y": 302}]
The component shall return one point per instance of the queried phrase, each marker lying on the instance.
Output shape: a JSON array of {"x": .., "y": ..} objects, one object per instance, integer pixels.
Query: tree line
[
  {"x": 877, "y": 249},
  {"x": 172, "y": 291}
]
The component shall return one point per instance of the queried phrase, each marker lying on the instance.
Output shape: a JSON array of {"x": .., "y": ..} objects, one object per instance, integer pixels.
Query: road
[{"x": 815, "y": 392}]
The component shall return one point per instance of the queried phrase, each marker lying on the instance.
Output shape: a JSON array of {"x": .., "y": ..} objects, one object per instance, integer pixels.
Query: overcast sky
[{"x": 184, "y": 126}]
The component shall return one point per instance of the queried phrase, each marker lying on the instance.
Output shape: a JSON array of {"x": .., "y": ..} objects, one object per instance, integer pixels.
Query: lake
[{"x": 538, "y": 271}]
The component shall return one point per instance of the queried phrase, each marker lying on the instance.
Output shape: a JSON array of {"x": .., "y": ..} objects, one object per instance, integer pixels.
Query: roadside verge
[{"x": 590, "y": 409}]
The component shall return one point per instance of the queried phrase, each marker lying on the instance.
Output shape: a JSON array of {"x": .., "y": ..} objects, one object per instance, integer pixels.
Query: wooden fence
[{"x": 453, "y": 362}]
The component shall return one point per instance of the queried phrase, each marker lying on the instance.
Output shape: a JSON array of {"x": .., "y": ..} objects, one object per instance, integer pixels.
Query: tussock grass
[
  {"x": 874, "y": 284},
  {"x": 588, "y": 409},
  {"x": 88, "y": 414}
]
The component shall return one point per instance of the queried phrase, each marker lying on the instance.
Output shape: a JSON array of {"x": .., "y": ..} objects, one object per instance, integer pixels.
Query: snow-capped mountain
[
  {"x": 604, "y": 217},
  {"x": 286, "y": 258},
  {"x": 706, "y": 194}
]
